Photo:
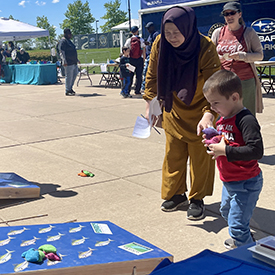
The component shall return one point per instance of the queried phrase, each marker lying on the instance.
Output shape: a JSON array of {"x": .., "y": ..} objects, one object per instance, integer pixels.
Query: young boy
[
  {"x": 237, "y": 162},
  {"x": 125, "y": 73}
]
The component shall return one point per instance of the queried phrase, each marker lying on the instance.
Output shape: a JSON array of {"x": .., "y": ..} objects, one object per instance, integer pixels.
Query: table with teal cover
[{"x": 34, "y": 74}]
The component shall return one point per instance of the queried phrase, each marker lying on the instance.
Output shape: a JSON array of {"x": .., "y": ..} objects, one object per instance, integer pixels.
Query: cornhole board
[
  {"x": 99, "y": 248},
  {"x": 13, "y": 186}
]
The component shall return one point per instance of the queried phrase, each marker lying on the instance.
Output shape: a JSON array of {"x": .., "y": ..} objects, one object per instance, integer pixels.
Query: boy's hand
[{"x": 217, "y": 150}]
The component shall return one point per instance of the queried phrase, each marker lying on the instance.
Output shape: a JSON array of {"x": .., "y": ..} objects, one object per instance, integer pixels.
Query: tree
[
  {"x": 43, "y": 42},
  {"x": 11, "y": 17},
  {"x": 114, "y": 15},
  {"x": 78, "y": 18}
]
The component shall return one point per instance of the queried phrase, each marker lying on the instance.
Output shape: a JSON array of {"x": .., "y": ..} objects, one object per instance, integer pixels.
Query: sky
[{"x": 27, "y": 10}]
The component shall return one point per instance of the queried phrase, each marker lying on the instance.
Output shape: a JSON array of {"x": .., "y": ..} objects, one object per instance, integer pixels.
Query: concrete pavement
[{"x": 48, "y": 138}]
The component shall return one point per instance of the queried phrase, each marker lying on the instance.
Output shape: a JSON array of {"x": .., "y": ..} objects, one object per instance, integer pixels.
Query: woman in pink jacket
[{"x": 238, "y": 47}]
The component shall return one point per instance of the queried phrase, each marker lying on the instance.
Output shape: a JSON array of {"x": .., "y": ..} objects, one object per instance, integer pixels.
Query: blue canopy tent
[{"x": 209, "y": 16}]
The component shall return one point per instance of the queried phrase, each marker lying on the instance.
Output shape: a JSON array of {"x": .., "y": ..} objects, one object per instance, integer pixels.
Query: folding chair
[
  {"x": 269, "y": 85},
  {"x": 105, "y": 75},
  {"x": 114, "y": 79}
]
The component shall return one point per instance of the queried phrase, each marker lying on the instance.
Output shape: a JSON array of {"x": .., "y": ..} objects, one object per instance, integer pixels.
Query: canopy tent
[
  {"x": 16, "y": 30},
  {"x": 125, "y": 25}
]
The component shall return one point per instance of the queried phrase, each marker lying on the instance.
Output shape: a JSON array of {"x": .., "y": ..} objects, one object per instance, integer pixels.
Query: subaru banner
[{"x": 146, "y": 4}]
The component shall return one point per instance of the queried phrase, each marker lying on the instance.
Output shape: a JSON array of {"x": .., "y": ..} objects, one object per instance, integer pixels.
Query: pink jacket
[{"x": 255, "y": 53}]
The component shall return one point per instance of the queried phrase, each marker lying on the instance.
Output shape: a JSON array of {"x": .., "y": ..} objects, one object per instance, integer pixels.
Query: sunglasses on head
[{"x": 229, "y": 13}]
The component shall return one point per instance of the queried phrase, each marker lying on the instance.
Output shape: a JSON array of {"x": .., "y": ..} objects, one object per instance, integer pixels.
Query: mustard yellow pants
[{"x": 202, "y": 169}]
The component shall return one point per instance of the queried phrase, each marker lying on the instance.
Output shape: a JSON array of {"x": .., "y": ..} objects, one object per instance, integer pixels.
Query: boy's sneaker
[
  {"x": 175, "y": 202},
  {"x": 230, "y": 244},
  {"x": 196, "y": 210},
  {"x": 124, "y": 95},
  {"x": 70, "y": 93}
]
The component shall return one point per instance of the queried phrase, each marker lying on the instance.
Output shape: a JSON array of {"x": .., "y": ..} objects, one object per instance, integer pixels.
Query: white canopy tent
[
  {"x": 125, "y": 25},
  {"x": 15, "y": 30}
]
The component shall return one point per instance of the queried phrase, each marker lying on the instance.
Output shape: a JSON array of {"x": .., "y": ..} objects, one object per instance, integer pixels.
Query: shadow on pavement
[
  {"x": 89, "y": 95},
  {"x": 45, "y": 188},
  {"x": 263, "y": 220},
  {"x": 270, "y": 160}
]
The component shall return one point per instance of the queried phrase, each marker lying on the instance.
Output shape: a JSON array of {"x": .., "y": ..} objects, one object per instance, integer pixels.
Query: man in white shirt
[{"x": 137, "y": 56}]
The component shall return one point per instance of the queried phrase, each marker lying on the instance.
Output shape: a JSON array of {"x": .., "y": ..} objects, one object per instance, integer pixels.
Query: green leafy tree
[
  {"x": 43, "y": 42},
  {"x": 113, "y": 15},
  {"x": 11, "y": 17},
  {"x": 78, "y": 18}
]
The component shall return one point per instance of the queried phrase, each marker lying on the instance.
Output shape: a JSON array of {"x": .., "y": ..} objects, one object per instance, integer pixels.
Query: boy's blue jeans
[
  {"x": 71, "y": 72},
  {"x": 239, "y": 199},
  {"x": 126, "y": 84}
]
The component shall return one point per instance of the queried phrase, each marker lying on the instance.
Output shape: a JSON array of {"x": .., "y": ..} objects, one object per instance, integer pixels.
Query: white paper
[
  {"x": 154, "y": 110},
  {"x": 131, "y": 67},
  {"x": 101, "y": 228},
  {"x": 142, "y": 128},
  {"x": 103, "y": 68}
]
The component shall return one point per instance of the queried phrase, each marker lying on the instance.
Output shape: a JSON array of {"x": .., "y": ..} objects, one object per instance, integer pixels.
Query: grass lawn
[{"x": 87, "y": 56}]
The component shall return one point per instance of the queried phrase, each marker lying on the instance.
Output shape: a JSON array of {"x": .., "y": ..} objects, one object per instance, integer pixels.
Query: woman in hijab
[{"x": 181, "y": 61}]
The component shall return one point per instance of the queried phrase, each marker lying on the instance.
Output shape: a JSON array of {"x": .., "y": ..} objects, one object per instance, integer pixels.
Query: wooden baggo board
[
  {"x": 100, "y": 248},
  {"x": 13, "y": 186}
]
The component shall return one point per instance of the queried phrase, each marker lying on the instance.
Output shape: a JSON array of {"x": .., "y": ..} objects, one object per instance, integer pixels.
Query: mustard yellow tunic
[{"x": 180, "y": 127}]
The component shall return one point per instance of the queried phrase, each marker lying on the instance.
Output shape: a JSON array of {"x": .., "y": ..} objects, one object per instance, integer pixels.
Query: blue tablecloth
[
  {"x": 34, "y": 74},
  {"x": 211, "y": 263}
]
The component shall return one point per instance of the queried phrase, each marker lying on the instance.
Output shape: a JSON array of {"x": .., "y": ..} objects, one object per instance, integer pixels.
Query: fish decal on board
[
  {"x": 76, "y": 229},
  {"x": 21, "y": 267},
  {"x": 80, "y": 241},
  {"x": 6, "y": 257},
  {"x": 46, "y": 229},
  {"x": 103, "y": 243},
  {"x": 50, "y": 263},
  {"x": 29, "y": 242},
  {"x": 6, "y": 241},
  {"x": 85, "y": 254},
  {"x": 16, "y": 232},
  {"x": 55, "y": 238}
]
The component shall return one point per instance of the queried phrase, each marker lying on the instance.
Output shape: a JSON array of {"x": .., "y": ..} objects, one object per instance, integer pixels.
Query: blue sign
[
  {"x": 265, "y": 28},
  {"x": 146, "y": 4}
]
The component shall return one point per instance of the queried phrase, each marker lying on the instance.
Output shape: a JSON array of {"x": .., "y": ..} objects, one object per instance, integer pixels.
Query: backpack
[{"x": 135, "y": 50}]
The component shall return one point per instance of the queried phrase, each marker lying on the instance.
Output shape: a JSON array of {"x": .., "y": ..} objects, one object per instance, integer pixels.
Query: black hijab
[{"x": 178, "y": 67}]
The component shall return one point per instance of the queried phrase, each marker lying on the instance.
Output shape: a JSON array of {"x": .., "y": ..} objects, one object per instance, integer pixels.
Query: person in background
[
  {"x": 69, "y": 59},
  {"x": 137, "y": 57},
  {"x": 7, "y": 52},
  {"x": 149, "y": 42},
  {"x": 1, "y": 62},
  {"x": 237, "y": 159},
  {"x": 181, "y": 60},
  {"x": 125, "y": 73},
  {"x": 22, "y": 56},
  {"x": 238, "y": 47}
]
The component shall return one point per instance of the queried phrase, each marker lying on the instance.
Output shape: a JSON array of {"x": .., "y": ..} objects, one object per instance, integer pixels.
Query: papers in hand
[
  {"x": 131, "y": 67},
  {"x": 142, "y": 128}
]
